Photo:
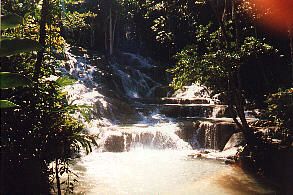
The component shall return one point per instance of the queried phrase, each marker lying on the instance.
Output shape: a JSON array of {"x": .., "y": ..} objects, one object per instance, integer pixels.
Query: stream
[{"x": 145, "y": 141}]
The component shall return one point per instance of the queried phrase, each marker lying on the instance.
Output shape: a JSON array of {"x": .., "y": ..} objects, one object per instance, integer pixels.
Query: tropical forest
[{"x": 143, "y": 97}]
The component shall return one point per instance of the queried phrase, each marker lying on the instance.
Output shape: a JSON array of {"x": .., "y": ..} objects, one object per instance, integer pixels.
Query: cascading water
[
  {"x": 135, "y": 83},
  {"x": 85, "y": 91},
  {"x": 149, "y": 154},
  {"x": 157, "y": 136},
  {"x": 210, "y": 134},
  {"x": 149, "y": 131}
]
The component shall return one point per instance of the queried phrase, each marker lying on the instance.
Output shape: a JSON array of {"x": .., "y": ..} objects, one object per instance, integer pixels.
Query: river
[{"x": 161, "y": 172}]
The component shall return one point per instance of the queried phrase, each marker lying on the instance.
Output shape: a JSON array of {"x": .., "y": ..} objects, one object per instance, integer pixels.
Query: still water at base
[{"x": 161, "y": 172}]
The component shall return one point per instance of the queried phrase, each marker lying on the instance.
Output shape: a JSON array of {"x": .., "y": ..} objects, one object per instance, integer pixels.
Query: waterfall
[
  {"x": 85, "y": 91},
  {"x": 137, "y": 74},
  {"x": 210, "y": 136},
  {"x": 135, "y": 83},
  {"x": 125, "y": 124},
  {"x": 151, "y": 130},
  {"x": 214, "y": 135},
  {"x": 160, "y": 136},
  {"x": 144, "y": 141}
]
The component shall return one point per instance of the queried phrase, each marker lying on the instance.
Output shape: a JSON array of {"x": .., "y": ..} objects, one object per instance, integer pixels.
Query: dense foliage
[
  {"x": 36, "y": 126},
  {"x": 280, "y": 107}
]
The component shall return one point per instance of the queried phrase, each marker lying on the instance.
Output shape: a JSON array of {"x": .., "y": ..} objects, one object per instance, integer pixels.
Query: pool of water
[{"x": 161, "y": 172}]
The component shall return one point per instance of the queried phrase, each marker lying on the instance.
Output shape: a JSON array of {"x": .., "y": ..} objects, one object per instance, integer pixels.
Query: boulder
[
  {"x": 115, "y": 109},
  {"x": 187, "y": 131},
  {"x": 236, "y": 140}
]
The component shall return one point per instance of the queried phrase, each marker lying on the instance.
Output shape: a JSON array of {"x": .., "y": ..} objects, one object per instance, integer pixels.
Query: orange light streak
[{"x": 275, "y": 14}]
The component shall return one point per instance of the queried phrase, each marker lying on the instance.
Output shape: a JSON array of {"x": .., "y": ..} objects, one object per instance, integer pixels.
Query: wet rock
[
  {"x": 146, "y": 138},
  {"x": 221, "y": 97},
  {"x": 115, "y": 109},
  {"x": 236, "y": 140},
  {"x": 192, "y": 110},
  {"x": 197, "y": 155},
  {"x": 187, "y": 132},
  {"x": 226, "y": 156},
  {"x": 182, "y": 111},
  {"x": 161, "y": 91},
  {"x": 220, "y": 111},
  {"x": 197, "y": 100},
  {"x": 114, "y": 143},
  {"x": 229, "y": 162}
]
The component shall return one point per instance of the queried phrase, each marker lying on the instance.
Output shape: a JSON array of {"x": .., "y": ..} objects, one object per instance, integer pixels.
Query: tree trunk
[
  {"x": 110, "y": 33},
  {"x": 92, "y": 34},
  {"x": 247, "y": 131},
  {"x": 106, "y": 42},
  {"x": 234, "y": 84},
  {"x": 221, "y": 23},
  {"x": 42, "y": 40},
  {"x": 57, "y": 177},
  {"x": 114, "y": 30},
  {"x": 234, "y": 18},
  {"x": 230, "y": 103}
]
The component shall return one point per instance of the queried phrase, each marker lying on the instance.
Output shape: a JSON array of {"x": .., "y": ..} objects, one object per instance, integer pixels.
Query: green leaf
[
  {"x": 27, "y": 15},
  {"x": 65, "y": 80},
  {"x": 11, "y": 21},
  {"x": 86, "y": 115},
  {"x": 7, "y": 104},
  {"x": 6, "y": 38},
  {"x": 16, "y": 46},
  {"x": 10, "y": 80}
]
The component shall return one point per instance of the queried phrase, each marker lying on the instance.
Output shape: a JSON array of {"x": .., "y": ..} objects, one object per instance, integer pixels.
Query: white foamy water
[
  {"x": 160, "y": 136},
  {"x": 194, "y": 91}
]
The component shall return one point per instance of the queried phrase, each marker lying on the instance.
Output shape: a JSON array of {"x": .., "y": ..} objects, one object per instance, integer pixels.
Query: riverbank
[{"x": 270, "y": 163}]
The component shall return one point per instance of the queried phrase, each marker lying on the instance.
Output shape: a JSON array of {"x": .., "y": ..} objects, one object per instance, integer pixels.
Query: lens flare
[{"x": 275, "y": 14}]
